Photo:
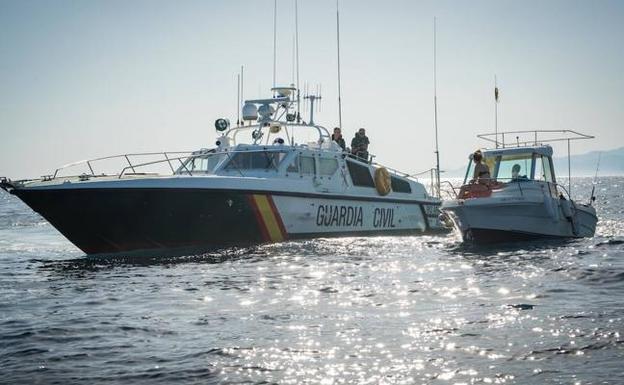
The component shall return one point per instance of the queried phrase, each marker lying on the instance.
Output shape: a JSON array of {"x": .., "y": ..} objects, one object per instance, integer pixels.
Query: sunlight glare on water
[{"x": 377, "y": 310}]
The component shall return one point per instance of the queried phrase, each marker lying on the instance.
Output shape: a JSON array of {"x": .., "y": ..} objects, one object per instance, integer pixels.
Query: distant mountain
[{"x": 611, "y": 163}]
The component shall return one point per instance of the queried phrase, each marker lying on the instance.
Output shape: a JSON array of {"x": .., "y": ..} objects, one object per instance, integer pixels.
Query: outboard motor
[{"x": 566, "y": 207}]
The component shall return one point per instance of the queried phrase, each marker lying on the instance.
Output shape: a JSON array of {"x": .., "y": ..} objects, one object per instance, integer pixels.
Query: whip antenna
[
  {"x": 338, "y": 47},
  {"x": 238, "y": 99},
  {"x": 297, "y": 64},
  {"x": 435, "y": 110},
  {"x": 496, "y": 114},
  {"x": 274, "y": 41}
]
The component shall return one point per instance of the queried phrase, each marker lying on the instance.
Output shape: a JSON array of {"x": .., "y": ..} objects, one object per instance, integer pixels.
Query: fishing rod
[{"x": 592, "y": 198}]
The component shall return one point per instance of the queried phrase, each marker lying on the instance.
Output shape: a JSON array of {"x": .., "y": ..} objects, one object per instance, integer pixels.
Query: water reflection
[{"x": 382, "y": 310}]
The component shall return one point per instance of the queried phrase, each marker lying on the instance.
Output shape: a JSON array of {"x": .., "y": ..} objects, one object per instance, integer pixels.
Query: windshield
[
  {"x": 255, "y": 160},
  {"x": 514, "y": 167},
  {"x": 201, "y": 163}
]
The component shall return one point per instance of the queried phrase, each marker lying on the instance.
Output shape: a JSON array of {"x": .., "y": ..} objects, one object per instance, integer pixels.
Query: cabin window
[
  {"x": 543, "y": 169},
  {"x": 255, "y": 160},
  {"x": 400, "y": 185},
  {"x": 327, "y": 166},
  {"x": 307, "y": 165},
  {"x": 507, "y": 163},
  {"x": 293, "y": 166},
  {"x": 360, "y": 174},
  {"x": 201, "y": 164}
]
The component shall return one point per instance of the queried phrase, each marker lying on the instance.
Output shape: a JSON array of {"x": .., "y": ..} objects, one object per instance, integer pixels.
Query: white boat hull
[{"x": 490, "y": 220}]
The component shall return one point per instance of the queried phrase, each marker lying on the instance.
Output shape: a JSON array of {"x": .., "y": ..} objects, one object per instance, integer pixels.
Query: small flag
[{"x": 496, "y": 94}]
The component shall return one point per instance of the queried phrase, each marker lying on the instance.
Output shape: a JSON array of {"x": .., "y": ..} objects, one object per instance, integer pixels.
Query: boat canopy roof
[{"x": 544, "y": 150}]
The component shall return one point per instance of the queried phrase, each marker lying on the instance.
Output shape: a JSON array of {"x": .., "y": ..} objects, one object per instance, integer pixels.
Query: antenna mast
[
  {"x": 496, "y": 112},
  {"x": 297, "y": 53},
  {"x": 338, "y": 47},
  {"x": 238, "y": 99},
  {"x": 274, "y": 40},
  {"x": 435, "y": 109}
]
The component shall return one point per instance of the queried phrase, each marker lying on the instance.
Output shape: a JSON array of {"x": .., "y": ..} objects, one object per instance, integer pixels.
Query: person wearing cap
[
  {"x": 359, "y": 145},
  {"x": 337, "y": 137}
]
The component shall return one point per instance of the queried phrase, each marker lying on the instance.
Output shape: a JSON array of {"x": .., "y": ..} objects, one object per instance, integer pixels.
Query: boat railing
[
  {"x": 524, "y": 138},
  {"x": 126, "y": 158},
  {"x": 432, "y": 180},
  {"x": 448, "y": 192}
]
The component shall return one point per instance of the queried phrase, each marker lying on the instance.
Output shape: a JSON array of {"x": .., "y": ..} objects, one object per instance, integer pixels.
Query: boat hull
[
  {"x": 157, "y": 220},
  {"x": 488, "y": 221}
]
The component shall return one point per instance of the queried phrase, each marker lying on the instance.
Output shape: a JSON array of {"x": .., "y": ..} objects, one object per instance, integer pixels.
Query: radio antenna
[
  {"x": 338, "y": 49},
  {"x": 274, "y": 41},
  {"x": 238, "y": 99},
  {"x": 435, "y": 110},
  {"x": 496, "y": 113},
  {"x": 297, "y": 64},
  {"x": 242, "y": 89}
]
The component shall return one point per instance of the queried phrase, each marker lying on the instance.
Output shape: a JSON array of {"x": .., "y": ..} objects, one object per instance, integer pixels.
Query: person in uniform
[
  {"x": 337, "y": 137},
  {"x": 359, "y": 145}
]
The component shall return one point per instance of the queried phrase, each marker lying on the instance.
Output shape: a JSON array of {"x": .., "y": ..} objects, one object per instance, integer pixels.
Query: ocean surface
[{"x": 377, "y": 310}]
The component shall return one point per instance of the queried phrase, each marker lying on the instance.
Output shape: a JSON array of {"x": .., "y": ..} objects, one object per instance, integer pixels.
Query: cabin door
[{"x": 330, "y": 174}]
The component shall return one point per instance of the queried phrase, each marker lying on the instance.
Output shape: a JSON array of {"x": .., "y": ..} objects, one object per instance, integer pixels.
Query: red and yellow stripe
[{"x": 268, "y": 218}]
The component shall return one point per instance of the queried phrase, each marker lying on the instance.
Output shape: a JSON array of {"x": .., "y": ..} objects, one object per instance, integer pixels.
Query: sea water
[{"x": 364, "y": 310}]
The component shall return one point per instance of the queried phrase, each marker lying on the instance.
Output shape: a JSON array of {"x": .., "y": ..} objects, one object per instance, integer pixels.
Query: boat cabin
[
  {"x": 325, "y": 170},
  {"x": 516, "y": 164}
]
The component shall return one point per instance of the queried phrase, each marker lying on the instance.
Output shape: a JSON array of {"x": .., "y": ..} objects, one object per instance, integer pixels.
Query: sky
[{"x": 84, "y": 79}]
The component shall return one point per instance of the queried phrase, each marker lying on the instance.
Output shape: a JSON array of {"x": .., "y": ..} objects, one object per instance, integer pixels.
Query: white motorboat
[
  {"x": 268, "y": 190},
  {"x": 522, "y": 199}
]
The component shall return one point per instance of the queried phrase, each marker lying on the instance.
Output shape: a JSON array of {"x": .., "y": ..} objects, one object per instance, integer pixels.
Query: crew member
[
  {"x": 337, "y": 137},
  {"x": 359, "y": 145}
]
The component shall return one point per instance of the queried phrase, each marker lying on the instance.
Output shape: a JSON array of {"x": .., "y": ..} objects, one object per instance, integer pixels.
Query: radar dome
[{"x": 250, "y": 111}]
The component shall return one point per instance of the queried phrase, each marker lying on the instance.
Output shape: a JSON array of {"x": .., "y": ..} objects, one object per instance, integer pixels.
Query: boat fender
[
  {"x": 382, "y": 181},
  {"x": 548, "y": 204},
  {"x": 566, "y": 208}
]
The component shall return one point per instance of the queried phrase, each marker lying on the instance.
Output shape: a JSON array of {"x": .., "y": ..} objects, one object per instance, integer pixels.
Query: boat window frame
[
  {"x": 276, "y": 166},
  {"x": 528, "y": 173},
  {"x": 400, "y": 185},
  {"x": 550, "y": 166},
  {"x": 332, "y": 159},
  {"x": 185, "y": 169},
  {"x": 369, "y": 183}
]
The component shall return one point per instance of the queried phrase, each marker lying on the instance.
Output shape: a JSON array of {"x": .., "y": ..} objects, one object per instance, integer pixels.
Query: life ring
[{"x": 382, "y": 181}]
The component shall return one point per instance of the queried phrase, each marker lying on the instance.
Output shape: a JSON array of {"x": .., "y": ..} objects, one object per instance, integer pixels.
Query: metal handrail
[
  {"x": 573, "y": 135},
  {"x": 89, "y": 162},
  {"x": 451, "y": 185},
  {"x": 195, "y": 154},
  {"x": 323, "y": 132}
]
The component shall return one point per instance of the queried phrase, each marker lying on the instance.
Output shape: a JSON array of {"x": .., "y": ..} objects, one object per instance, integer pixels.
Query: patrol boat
[
  {"x": 268, "y": 190},
  {"x": 522, "y": 199}
]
